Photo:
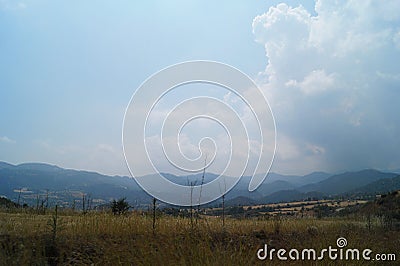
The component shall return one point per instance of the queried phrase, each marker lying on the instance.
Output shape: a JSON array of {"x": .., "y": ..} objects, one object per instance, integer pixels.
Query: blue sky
[{"x": 329, "y": 70}]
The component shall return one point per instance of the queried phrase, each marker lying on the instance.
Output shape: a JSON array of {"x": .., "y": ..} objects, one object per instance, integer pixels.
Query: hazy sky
[{"x": 330, "y": 72}]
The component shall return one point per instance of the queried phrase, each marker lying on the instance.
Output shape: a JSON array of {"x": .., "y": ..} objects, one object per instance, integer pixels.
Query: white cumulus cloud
[{"x": 332, "y": 80}]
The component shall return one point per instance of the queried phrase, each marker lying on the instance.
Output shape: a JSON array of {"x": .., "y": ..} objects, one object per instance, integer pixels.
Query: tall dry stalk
[
  {"x": 154, "y": 214},
  {"x": 201, "y": 188},
  {"x": 223, "y": 202}
]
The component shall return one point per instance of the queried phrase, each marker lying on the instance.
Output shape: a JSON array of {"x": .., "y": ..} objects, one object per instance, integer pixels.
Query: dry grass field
[{"x": 100, "y": 238}]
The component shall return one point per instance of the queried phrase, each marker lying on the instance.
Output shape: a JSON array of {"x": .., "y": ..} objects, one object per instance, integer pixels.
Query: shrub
[{"x": 120, "y": 206}]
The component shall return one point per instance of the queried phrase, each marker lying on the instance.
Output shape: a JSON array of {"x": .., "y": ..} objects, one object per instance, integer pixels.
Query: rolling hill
[
  {"x": 382, "y": 186},
  {"x": 345, "y": 182},
  {"x": 64, "y": 185},
  {"x": 32, "y": 180}
]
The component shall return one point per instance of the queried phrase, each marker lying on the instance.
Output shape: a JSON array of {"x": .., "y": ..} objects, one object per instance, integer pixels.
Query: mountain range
[{"x": 32, "y": 182}]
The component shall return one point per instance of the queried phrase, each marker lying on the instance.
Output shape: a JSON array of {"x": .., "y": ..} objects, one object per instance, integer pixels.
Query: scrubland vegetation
[{"x": 101, "y": 238}]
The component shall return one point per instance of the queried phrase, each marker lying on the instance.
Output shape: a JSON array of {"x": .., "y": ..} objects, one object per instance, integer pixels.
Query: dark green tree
[{"x": 120, "y": 206}]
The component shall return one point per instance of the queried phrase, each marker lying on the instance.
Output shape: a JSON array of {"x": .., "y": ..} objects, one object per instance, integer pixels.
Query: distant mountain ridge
[
  {"x": 365, "y": 182},
  {"x": 4, "y": 165},
  {"x": 342, "y": 183},
  {"x": 68, "y": 185},
  {"x": 381, "y": 186}
]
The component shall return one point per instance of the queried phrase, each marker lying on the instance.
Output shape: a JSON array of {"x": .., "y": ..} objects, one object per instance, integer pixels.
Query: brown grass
[{"x": 104, "y": 239}]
